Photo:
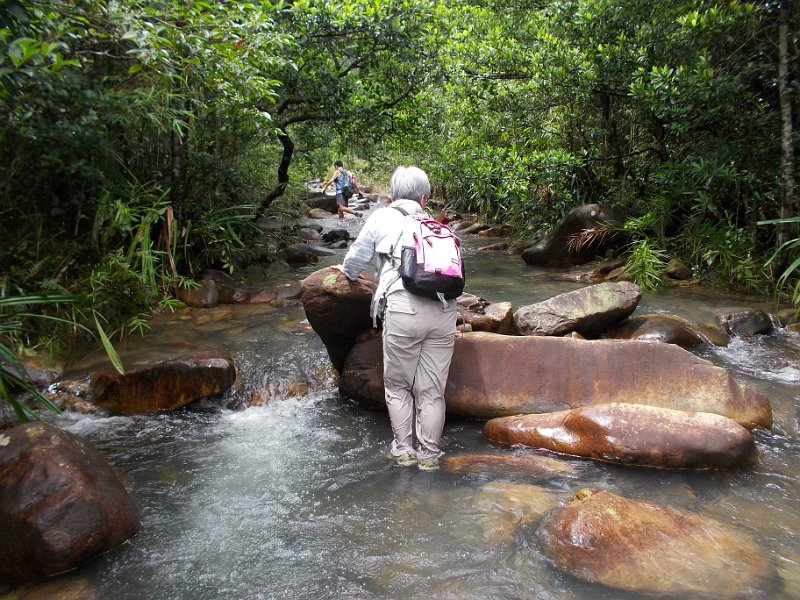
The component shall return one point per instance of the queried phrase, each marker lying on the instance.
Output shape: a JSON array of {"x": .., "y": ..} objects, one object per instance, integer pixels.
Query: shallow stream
[{"x": 294, "y": 498}]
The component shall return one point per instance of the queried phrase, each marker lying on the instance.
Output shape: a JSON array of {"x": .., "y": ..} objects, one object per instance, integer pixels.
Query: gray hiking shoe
[
  {"x": 405, "y": 460},
  {"x": 428, "y": 464}
]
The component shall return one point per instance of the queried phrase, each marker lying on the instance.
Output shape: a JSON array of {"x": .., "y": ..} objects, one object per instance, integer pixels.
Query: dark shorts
[{"x": 340, "y": 201}]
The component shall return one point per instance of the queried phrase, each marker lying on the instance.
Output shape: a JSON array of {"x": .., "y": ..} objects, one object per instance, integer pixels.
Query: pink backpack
[{"x": 433, "y": 265}]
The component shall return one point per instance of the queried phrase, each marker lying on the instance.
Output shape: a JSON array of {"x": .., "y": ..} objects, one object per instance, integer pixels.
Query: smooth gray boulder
[{"x": 588, "y": 311}]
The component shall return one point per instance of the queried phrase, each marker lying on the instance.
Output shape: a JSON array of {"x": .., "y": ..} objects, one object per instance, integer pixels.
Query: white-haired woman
[{"x": 418, "y": 332}]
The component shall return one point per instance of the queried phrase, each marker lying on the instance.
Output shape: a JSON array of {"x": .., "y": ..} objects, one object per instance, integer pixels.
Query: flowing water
[{"x": 293, "y": 498}]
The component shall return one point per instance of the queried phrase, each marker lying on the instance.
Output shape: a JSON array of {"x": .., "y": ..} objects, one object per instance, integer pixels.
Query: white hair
[{"x": 409, "y": 183}]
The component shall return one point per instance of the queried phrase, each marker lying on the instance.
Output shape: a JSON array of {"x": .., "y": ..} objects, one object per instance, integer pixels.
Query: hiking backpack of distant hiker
[
  {"x": 348, "y": 187},
  {"x": 433, "y": 265}
]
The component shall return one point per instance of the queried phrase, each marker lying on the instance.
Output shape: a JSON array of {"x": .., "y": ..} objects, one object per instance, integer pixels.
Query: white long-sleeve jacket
[{"x": 379, "y": 246}]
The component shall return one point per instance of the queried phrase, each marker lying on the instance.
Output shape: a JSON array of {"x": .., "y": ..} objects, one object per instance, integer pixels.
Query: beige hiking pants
[{"x": 418, "y": 338}]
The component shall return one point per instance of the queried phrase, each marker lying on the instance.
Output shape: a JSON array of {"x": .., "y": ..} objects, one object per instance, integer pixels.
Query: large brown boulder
[
  {"x": 589, "y": 310},
  {"x": 337, "y": 309},
  {"x": 554, "y": 249},
  {"x": 632, "y": 434},
  {"x": 61, "y": 503},
  {"x": 498, "y": 375},
  {"x": 652, "y": 549},
  {"x": 161, "y": 377}
]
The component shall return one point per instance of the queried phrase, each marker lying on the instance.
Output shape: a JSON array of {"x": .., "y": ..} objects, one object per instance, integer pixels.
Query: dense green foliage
[
  {"x": 668, "y": 110},
  {"x": 142, "y": 139}
]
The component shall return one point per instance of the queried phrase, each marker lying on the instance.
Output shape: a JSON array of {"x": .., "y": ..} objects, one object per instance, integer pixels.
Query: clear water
[{"x": 294, "y": 499}]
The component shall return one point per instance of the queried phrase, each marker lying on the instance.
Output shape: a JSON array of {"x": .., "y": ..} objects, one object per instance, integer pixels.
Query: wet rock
[
  {"x": 299, "y": 255},
  {"x": 336, "y": 235},
  {"x": 508, "y": 464},
  {"x": 505, "y": 507},
  {"x": 746, "y": 323},
  {"x": 362, "y": 373},
  {"x": 498, "y": 247},
  {"x": 498, "y": 375},
  {"x": 286, "y": 291},
  {"x": 493, "y": 317},
  {"x": 668, "y": 329},
  {"x": 161, "y": 377},
  {"x": 461, "y": 225},
  {"x": 309, "y": 234},
  {"x": 448, "y": 215},
  {"x": 597, "y": 270},
  {"x": 677, "y": 269},
  {"x": 652, "y": 549},
  {"x": 233, "y": 295},
  {"x": 553, "y": 249},
  {"x": 475, "y": 228},
  {"x": 320, "y": 201},
  {"x": 264, "y": 296},
  {"x": 319, "y": 250},
  {"x": 337, "y": 309},
  {"x": 60, "y": 588},
  {"x": 495, "y": 231},
  {"x": 61, "y": 503},
  {"x": 632, "y": 434},
  {"x": 205, "y": 295},
  {"x": 39, "y": 369},
  {"x": 589, "y": 310},
  {"x": 319, "y": 213}
]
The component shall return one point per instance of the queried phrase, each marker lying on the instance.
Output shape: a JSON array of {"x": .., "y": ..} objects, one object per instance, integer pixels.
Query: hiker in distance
[
  {"x": 341, "y": 178},
  {"x": 418, "y": 332}
]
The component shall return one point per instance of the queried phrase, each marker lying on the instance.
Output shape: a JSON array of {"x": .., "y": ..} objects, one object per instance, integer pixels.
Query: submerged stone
[
  {"x": 652, "y": 549},
  {"x": 506, "y": 463},
  {"x": 505, "y": 507}
]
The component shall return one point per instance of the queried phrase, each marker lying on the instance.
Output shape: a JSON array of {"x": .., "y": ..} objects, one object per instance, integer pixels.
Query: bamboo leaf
[{"x": 109, "y": 348}]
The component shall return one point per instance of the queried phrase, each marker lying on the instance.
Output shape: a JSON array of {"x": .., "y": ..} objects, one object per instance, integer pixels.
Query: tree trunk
[
  {"x": 178, "y": 172},
  {"x": 283, "y": 169},
  {"x": 788, "y": 204},
  {"x": 612, "y": 142}
]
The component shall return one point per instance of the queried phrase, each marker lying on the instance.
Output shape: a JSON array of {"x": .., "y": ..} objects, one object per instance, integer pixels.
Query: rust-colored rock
[
  {"x": 162, "y": 377},
  {"x": 632, "y": 434},
  {"x": 205, "y": 295},
  {"x": 337, "y": 309},
  {"x": 652, "y": 549},
  {"x": 61, "y": 503},
  {"x": 498, "y": 375},
  {"x": 362, "y": 374},
  {"x": 495, "y": 375}
]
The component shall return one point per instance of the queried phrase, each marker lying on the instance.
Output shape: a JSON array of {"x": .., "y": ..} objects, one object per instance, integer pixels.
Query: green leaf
[{"x": 109, "y": 348}]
